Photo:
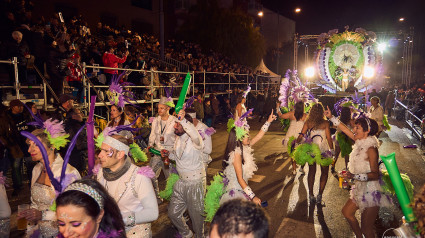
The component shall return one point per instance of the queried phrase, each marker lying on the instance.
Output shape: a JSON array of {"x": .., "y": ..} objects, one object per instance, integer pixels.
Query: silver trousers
[
  {"x": 157, "y": 165},
  {"x": 188, "y": 195}
]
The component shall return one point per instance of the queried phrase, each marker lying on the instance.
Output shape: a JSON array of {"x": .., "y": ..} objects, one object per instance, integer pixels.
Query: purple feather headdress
[
  {"x": 189, "y": 102},
  {"x": 300, "y": 93},
  {"x": 283, "y": 92},
  {"x": 117, "y": 95},
  {"x": 241, "y": 122}
]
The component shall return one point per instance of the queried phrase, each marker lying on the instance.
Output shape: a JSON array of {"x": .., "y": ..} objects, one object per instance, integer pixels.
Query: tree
[{"x": 227, "y": 31}]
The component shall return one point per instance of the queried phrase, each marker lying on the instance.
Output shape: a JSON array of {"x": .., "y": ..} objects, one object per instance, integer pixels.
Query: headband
[
  {"x": 87, "y": 190},
  {"x": 368, "y": 123},
  {"x": 192, "y": 114},
  {"x": 116, "y": 144}
]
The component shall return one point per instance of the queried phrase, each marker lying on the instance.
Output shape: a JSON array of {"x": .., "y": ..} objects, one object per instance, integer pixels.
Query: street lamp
[
  {"x": 401, "y": 19},
  {"x": 260, "y": 13},
  {"x": 297, "y": 10}
]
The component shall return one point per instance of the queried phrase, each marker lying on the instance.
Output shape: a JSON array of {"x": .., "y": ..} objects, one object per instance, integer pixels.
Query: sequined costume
[
  {"x": 189, "y": 190},
  {"x": 162, "y": 137},
  {"x": 43, "y": 196},
  {"x": 233, "y": 188},
  {"x": 135, "y": 197},
  {"x": 368, "y": 193}
]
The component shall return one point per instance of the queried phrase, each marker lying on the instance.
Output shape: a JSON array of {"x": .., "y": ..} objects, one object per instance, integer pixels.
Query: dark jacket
[
  {"x": 79, "y": 154},
  {"x": 10, "y": 136}
]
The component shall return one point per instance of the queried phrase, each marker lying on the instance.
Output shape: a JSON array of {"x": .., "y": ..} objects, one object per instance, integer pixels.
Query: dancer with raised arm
[{"x": 366, "y": 194}]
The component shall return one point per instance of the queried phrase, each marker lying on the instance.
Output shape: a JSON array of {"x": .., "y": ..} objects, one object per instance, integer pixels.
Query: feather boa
[
  {"x": 212, "y": 198},
  {"x": 168, "y": 191},
  {"x": 386, "y": 124},
  {"x": 291, "y": 143},
  {"x": 388, "y": 187},
  {"x": 146, "y": 171},
  {"x": 344, "y": 144},
  {"x": 137, "y": 154},
  {"x": 358, "y": 163},
  {"x": 58, "y": 141},
  {"x": 283, "y": 92}
]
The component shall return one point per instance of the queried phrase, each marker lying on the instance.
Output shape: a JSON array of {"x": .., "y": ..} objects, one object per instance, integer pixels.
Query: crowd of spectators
[{"x": 56, "y": 46}]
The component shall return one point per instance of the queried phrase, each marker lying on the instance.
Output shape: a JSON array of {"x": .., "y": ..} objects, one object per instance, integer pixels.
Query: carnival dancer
[
  {"x": 239, "y": 165},
  {"x": 86, "y": 209},
  {"x": 317, "y": 128},
  {"x": 206, "y": 133},
  {"x": 162, "y": 137},
  {"x": 366, "y": 194},
  {"x": 189, "y": 190},
  {"x": 343, "y": 143},
  {"x": 344, "y": 82},
  {"x": 43, "y": 145},
  {"x": 240, "y": 107},
  {"x": 129, "y": 185},
  {"x": 377, "y": 113},
  {"x": 297, "y": 118}
]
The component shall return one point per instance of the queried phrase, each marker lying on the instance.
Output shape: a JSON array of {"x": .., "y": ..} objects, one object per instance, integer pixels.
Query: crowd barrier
[
  {"x": 415, "y": 124},
  {"x": 147, "y": 90}
]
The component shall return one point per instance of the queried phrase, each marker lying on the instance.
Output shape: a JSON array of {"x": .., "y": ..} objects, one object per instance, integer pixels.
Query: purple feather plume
[
  {"x": 54, "y": 127},
  {"x": 189, "y": 102},
  {"x": 128, "y": 127},
  {"x": 246, "y": 114},
  {"x": 151, "y": 119},
  {"x": 210, "y": 131},
  {"x": 245, "y": 93},
  {"x": 202, "y": 134},
  {"x": 146, "y": 171},
  {"x": 38, "y": 122},
  {"x": 283, "y": 92},
  {"x": 67, "y": 180}
]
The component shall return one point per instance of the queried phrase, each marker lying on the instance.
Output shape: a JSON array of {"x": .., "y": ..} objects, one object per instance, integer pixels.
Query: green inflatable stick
[
  {"x": 399, "y": 187},
  {"x": 183, "y": 93},
  {"x": 154, "y": 151}
]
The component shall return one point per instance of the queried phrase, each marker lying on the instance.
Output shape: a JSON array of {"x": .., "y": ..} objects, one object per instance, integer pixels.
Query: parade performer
[
  {"x": 49, "y": 177},
  {"x": 297, "y": 118},
  {"x": 316, "y": 128},
  {"x": 206, "y": 133},
  {"x": 366, "y": 194},
  {"x": 189, "y": 190},
  {"x": 238, "y": 166},
  {"x": 377, "y": 113},
  {"x": 343, "y": 144},
  {"x": 240, "y": 107},
  {"x": 344, "y": 82},
  {"x": 85, "y": 209},
  {"x": 129, "y": 185},
  {"x": 162, "y": 137}
]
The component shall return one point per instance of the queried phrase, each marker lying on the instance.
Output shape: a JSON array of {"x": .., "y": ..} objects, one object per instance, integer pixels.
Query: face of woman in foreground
[
  {"x": 74, "y": 222},
  {"x": 114, "y": 112},
  {"x": 34, "y": 150},
  {"x": 359, "y": 133}
]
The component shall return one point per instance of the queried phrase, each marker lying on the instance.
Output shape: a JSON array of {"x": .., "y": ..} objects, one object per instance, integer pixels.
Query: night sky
[{"x": 319, "y": 16}]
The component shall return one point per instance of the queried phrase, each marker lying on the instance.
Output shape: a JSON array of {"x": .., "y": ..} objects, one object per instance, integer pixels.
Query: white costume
[
  {"x": 377, "y": 114},
  {"x": 242, "y": 112},
  {"x": 162, "y": 137},
  {"x": 295, "y": 128},
  {"x": 206, "y": 151},
  {"x": 135, "y": 197},
  {"x": 189, "y": 190},
  {"x": 4, "y": 210},
  {"x": 365, "y": 193},
  {"x": 233, "y": 188},
  {"x": 320, "y": 139},
  {"x": 43, "y": 196}
]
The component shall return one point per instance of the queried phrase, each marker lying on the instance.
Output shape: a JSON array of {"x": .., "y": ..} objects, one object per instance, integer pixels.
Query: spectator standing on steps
[{"x": 109, "y": 59}]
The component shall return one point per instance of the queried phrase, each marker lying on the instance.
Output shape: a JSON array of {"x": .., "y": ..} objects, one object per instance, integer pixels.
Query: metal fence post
[
  {"x": 15, "y": 66},
  {"x": 205, "y": 89},
  {"x": 45, "y": 95},
  {"x": 85, "y": 88},
  {"x": 152, "y": 88},
  {"x": 228, "y": 93},
  {"x": 193, "y": 83}
]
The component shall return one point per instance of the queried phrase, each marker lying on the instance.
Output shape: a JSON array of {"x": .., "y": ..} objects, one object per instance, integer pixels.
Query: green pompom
[
  {"x": 344, "y": 143},
  {"x": 53, "y": 206},
  {"x": 240, "y": 133},
  {"x": 386, "y": 124},
  {"x": 137, "y": 153},
  {"x": 230, "y": 124},
  {"x": 290, "y": 151},
  {"x": 168, "y": 191},
  {"x": 59, "y": 141},
  {"x": 212, "y": 198},
  {"x": 324, "y": 161},
  {"x": 307, "y": 153},
  {"x": 388, "y": 185}
]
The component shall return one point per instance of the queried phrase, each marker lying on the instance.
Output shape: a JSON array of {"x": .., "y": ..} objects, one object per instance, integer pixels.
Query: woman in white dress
[
  {"x": 239, "y": 165},
  {"x": 240, "y": 107},
  {"x": 43, "y": 193},
  {"x": 377, "y": 113},
  {"x": 297, "y": 118},
  {"x": 366, "y": 194},
  {"x": 319, "y": 130}
]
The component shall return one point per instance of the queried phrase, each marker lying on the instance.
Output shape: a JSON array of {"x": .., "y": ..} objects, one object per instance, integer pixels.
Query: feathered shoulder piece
[{"x": 245, "y": 93}]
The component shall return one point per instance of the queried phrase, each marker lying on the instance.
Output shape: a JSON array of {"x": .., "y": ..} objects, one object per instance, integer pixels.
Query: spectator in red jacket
[
  {"x": 111, "y": 60},
  {"x": 75, "y": 75}
]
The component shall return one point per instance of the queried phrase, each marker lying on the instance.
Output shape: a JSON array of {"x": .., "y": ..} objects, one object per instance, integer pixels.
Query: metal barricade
[{"x": 415, "y": 124}]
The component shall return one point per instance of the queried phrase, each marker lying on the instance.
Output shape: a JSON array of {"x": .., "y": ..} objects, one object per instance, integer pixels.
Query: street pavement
[{"x": 290, "y": 213}]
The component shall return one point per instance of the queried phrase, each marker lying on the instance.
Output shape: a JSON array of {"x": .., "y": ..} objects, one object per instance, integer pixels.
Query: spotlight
[
  {"x": 260, "y": 13},
  {"x": 401, "y": 19},
  {"x": 309, "y": 72},
  {"x": 382, "y": 47},
  {"x": 297, "y": 10},
  {"x": 368, "y": 72}
]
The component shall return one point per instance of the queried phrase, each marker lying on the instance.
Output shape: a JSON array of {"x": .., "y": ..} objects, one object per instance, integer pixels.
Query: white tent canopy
[{"x": 263, "y": 68}]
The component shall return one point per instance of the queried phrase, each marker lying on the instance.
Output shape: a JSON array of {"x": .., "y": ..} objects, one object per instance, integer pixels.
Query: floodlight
[
  {"x": 297, "y": 10},
  {"x": 368, "y": 72},
  {"x": 309, "y": 72},
  {"x": 382, "y": 47},
  {"x": 260, "y": 13}
]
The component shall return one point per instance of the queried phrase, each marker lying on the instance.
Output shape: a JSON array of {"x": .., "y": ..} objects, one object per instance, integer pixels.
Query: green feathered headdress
[
  {"x": 55, "y": 133},
  {"x": 241, "y": 125}
]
